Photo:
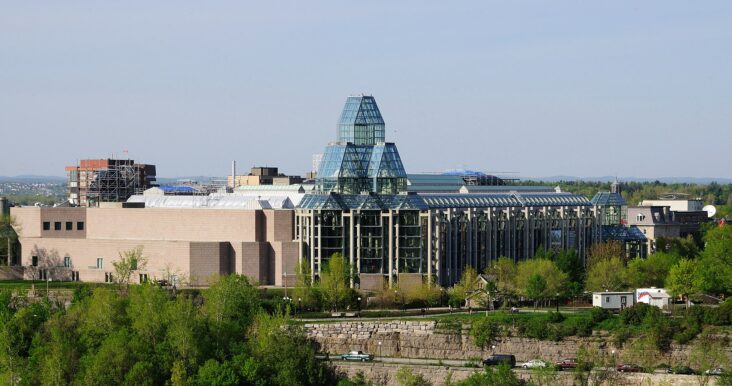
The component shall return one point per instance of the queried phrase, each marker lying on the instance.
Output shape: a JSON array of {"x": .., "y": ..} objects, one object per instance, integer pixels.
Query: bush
[
  {"x": 598, "y": 315},
  {"x": 636, "y": 314},
  {"x": 578, "y": 326},
  {"x": 555, "y": 317},
  {"x": 484, "y": 331},
  {"x": 536, "y": 328}
]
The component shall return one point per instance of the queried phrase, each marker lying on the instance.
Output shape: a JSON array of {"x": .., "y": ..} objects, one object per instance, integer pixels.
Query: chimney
[{"x": 233, "y": 174}]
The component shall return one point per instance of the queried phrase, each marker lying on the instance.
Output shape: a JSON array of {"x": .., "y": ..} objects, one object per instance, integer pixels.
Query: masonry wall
[{"x": 430, "y": 339}]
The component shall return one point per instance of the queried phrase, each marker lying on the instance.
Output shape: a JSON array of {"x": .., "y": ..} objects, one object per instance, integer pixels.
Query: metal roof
[
  {"x": 622, "y": 233},
  {"x": 607, "y": 199},
  {"x": 439, "y": 201}
]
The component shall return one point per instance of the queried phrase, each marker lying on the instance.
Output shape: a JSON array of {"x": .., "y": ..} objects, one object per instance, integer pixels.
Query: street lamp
[
  {"x": 557, "y": 302},
  {"x": 359, "y": 304},
  {"x": 379, "y": 349},
  {"x": 299, "y": 304}
]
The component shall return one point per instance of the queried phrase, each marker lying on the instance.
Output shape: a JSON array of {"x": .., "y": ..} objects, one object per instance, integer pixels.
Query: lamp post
[
  {"x": 379, "y": 349},
  {"x": 359, "y": 304},
  {"x": 557, "y": 302},
  {"x": 299, "y": 305},
  {"x": 284, "y": 283}
]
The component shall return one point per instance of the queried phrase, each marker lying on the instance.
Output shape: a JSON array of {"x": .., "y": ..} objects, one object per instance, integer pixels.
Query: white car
[{"x": 535, "y": 364}]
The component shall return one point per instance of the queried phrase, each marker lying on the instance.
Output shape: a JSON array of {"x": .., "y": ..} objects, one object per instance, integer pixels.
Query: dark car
[
  {"x": 681, "y": 370},
  {"x": 628, "y": 368},
  {"x": 567, "y": 363},
  {"x": 497, "y": 359}
]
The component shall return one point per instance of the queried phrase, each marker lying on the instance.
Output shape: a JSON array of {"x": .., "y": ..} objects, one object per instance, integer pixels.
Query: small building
[
  {"x": 654, "y": 296},
  {"x": 613, "y": 300}
]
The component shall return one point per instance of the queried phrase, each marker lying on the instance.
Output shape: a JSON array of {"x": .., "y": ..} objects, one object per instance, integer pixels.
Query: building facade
[
  {"x": 93, "y": 181},
  {"x": 183, "y": 244},
  {"x": 361, "y": 208}
]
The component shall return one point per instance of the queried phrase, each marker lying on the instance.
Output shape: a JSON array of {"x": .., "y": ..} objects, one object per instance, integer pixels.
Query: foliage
[
  {"x": 335, "y": 282},
  {"x": 305, "y": 292},
  {"x": 651, "y": 271},
  {"x": 536, "y": 287},
  {"x": 603, "y": 251},
  {"x": 606, "y": 274},
  {"x": 148, "y": 337},
  {"x": 504, "y": 270},
  {"x": 406, "y": 377},
  {"x": 484, "y": 331},
  {"x": 715, "y": 262},
  {"x": 129, "y": 262},
  {"x": 683, "y": 278},
  {"x": 501, "y": 375},
  {"x": 708, "y": 352},
  {"x": 554, "y": 279},
  {"x": 467, "y": 285}
]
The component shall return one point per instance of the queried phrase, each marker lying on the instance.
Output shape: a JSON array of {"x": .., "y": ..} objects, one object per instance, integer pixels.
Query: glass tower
[{"x": 361, "y": 161}]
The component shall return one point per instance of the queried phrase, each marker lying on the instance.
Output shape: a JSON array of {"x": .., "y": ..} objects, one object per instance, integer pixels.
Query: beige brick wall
[
  {"x": 174, "y": 224},
  {"x": 208, "y": 259},
  {"x": 284, "y": 256},
  {"x": 28, "y": 219},
  {"x": 280, "y": 224},
  {"x": 254, "y": 260},
  {"x": 164, "y": 257}
]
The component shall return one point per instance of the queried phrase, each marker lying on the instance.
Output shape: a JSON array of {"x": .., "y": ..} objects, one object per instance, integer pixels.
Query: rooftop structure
[{"x": 107, "y": 180}]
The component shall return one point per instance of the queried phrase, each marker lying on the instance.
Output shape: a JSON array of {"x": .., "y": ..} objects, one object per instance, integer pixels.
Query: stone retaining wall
[
  {"x": 385, "y": 374},
  {"x": 430, "y": 339}
]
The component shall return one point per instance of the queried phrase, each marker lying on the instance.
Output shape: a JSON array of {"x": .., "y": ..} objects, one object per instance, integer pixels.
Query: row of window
[
  {"x": 67, "y": 261},
  {"x": 69, "y": 226},
  {"x": 43, "y": 275}
]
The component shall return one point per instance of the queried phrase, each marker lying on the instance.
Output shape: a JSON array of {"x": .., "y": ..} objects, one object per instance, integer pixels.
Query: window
[
  {"x": 74, "y": 275},
  {"x": 100, "y": 263},
  {"x": 67, "y": 261},
  {"x": 69, "y": 226},
  {"x": 80, "y": 226},
  {"x": 607, "y": 299},
  {"x": 34, "y": 261},
  {"x": 57, "y": 226},
  {"x": 108, "y": 277},
  {"x": 640, "y": 217},
  {"x": 43, "y": 274},
  {"x": 143, "y": 278},
  {"x": 46, "y": 226}
]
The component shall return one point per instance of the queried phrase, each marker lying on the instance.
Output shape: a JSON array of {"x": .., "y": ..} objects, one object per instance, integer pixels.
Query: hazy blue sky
[{"x": 585, "y": 88}]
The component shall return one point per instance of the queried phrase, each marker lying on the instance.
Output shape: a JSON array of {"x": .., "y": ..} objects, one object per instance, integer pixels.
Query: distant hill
[
  {"x": 667, "y": 180},
  {"x": 28, "y": 178}
]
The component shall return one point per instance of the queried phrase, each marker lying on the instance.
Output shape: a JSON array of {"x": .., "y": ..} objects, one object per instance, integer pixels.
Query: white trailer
[
  {"x": 654, "y": 296},
  {"x": 613, "y": 300}
]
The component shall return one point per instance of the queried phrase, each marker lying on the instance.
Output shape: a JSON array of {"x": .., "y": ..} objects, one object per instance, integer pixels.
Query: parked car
[
  {"x": 715, "y": 371},
  {"x": 681, "y": 370},
  {"x": 497, "y": 359},
  {"x": 357, "y": 356},
  {"x": 567, "y": 363},
  {"x": 629, "y": 368},
  {"x": 535, "y": 364}
]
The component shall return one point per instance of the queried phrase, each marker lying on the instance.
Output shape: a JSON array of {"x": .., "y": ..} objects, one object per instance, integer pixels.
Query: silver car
[
  {"x": 357, "y": 356},
  {"x": 535, "y": 364}
]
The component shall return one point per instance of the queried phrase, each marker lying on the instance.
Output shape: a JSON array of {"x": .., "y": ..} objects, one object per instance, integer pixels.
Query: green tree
[
  {"x": 606, "y": 275},
  {"x": 536, "y": 288},
  {"x": 129, "y": 262},
  {"x": 484, "y": 331},
  {"x": 605, "y": 250},
  {"x": 707, "y": 352},
  {"x": 683, "y": 279},
  {"x": 467, "y": 286},
  {"x": 715, "y": 264},
  {"x": 335, "y": 282},
  {"x": 555, "y": 280},
  {"x": 304, "y": 291},
  {"x": 651, "y": 271},
  {"x": 213, "y": 373},
  {"x": 504, "y": 270},
  {"x": 230, "y": 305}
]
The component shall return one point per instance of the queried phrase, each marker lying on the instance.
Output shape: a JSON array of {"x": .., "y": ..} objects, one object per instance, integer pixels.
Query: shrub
[
  {"x": 484, "y": 331},
  {"x": 598, "y": 315},
  {"x": 636, "y": 314},
  {"x": 555, "y": 317},
  {"x": 579, "y": 326},
  {"x": 535, "y": 328}
]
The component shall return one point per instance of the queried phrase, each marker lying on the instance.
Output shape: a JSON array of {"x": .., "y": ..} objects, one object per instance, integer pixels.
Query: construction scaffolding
[{"x": 108, "y": 180}]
